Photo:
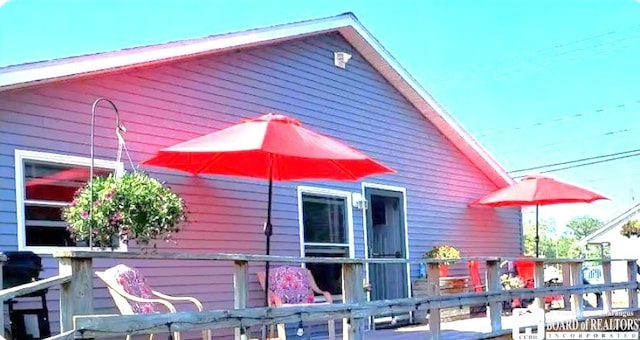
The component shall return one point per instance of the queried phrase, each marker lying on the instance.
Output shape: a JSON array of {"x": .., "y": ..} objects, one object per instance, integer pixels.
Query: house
[
  {"x": 172, "y": 92},
  {"x": 608, "y": 237}
]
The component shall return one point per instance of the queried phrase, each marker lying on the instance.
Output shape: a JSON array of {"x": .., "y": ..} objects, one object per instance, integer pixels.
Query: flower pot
[{"x": 443, "y": 270}]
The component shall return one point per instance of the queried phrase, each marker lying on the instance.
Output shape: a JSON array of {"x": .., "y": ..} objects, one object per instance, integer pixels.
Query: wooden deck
[
  {"x": 77, "y": 316},
  {"x": 467, "y": 329}
]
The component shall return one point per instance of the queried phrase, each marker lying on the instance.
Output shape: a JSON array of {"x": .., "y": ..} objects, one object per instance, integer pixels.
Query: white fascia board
[
  {"x": 146, "y": 55},
  {"x": 449, "y": 121}
]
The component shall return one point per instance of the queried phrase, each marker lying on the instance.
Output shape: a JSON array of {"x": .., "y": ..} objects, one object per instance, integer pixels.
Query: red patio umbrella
[
  {"x": 538, "y": 190},
  {"x": 273, "y": 147}
]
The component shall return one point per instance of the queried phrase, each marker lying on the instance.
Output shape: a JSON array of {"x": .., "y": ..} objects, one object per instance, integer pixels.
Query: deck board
[{"x": 467, "y": 329}]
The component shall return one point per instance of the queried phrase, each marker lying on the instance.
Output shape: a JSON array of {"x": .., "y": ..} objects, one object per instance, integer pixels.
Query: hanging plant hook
[{"x": 119, "y": 128}]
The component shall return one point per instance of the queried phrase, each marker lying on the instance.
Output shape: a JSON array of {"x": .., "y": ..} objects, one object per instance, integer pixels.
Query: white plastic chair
[{"x": 132, "y": 295}]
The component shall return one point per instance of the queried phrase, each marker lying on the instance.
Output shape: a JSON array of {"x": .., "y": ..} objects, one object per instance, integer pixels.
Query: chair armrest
[
  {"x": 179, "y": 298},
  {"x": 167, "y": 304}
]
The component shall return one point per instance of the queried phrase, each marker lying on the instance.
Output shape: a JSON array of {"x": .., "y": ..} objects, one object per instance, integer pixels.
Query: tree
[
  {"x": 551, "y": 246},
  {"x": 547, "y": 244},
  {"x": 582, "y": 226}
]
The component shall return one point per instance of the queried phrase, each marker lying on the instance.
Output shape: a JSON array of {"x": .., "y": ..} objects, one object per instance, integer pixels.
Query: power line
[
  {"x": 580, "y": 160},
  {"x": 560, "y": 119},
  {"x": 567, "y": 141},
  {"x": 542, "y": 58},
  {"x": 585, "y": 164}
]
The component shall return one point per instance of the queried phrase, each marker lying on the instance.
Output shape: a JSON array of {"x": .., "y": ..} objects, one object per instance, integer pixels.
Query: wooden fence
[{"x": 76, "y": 296}]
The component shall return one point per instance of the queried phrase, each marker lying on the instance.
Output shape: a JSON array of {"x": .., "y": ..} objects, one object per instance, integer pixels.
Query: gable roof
[
  {"x": 19, "y": 76},
  {"x": 613, "y": 223}
]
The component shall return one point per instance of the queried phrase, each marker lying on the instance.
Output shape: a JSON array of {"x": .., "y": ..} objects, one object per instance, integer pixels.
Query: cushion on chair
[
  {"x": 291, "y": 284},
  {"x": 132, "y": 282}
]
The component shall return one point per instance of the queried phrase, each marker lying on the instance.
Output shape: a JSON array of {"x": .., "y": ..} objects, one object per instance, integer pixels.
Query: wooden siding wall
[{"x": 167, "y": 104}]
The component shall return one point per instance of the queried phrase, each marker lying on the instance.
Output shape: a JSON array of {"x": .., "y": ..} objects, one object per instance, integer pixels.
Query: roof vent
[{"x": 340, "y": 59}]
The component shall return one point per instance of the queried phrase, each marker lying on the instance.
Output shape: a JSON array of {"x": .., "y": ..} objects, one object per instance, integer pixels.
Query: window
[
  {"x": 45, "y": 184},
  {"x": 326, "y": 231}
]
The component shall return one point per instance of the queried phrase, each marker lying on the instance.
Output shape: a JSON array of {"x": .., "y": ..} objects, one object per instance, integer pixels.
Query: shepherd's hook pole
[{"x": 119, "y": 127}]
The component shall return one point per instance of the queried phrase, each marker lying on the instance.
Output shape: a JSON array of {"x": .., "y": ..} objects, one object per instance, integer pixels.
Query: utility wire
[
  {"x": 585, "y": 164},
  {"x": 580, "y": 160},
  {"x": 561, "y": 119},
  {"x": 567, "y": 141},
  {"x": 542, "y": 58}
]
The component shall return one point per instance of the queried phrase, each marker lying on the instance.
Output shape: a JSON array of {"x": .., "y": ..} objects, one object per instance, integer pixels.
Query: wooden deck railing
[{"x": 77, "y": 319}]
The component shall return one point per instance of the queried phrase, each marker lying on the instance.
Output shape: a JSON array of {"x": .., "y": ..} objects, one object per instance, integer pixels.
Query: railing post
[
  {"x": 494, "y": 285},
  {"x": 76, "y": 296},
  {"x": 538, "y": 281},
  {"x": 566, "y": 282},
  {"x": 632, "y": 271},
  {"x": 606, "y": 296},
  {"x": 240, "y": 292},
  {"x": 433, "y": 289},
  {"x": 2, "y": 260},
  {"x": 352, "y": 281},
  {"x": 576, "y": 280}
]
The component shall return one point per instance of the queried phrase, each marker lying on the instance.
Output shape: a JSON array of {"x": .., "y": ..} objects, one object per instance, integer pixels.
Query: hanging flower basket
[
  {"x": 131, "y": 207},
  {"x": 631, "y": 228}
]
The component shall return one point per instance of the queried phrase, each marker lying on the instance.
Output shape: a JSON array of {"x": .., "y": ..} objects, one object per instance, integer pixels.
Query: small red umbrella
[
  {"x": 538, "y": 190},
  {"x": 273, "y": 147}
]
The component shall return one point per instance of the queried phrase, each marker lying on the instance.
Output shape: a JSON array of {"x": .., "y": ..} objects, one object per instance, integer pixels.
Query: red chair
[
  {"x": 474, "y": 272},
  {"x": 526, "y": 271}
]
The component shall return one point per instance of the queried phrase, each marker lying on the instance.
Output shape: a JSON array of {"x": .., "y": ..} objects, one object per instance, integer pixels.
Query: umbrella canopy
[
  {"x": 538, "y": 190},
  {"x": 273, "y": 147}
]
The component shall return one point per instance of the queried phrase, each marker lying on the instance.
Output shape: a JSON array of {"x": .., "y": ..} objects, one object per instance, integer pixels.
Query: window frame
[
  {"x": 52, "y": 158},
  {"x": 349, "y": 223}
]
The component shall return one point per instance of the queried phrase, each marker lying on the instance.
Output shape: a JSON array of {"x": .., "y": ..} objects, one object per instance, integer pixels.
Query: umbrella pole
[
  {"x": 268, "y": 231},
  {"x": 537, "y": 239}
]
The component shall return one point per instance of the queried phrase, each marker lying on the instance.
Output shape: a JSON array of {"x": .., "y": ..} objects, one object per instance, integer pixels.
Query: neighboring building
[
  {"x": 608, "y": 237},
  {"x": 176, "y": 91}
]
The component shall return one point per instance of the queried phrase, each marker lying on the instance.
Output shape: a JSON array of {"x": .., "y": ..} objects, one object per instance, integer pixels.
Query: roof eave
[
  {"x": 346, "y": 24},
  {"x": 387, "y": 65},
  {"x": 48, "y": 71},
  {"x": 615, "y": 222}
]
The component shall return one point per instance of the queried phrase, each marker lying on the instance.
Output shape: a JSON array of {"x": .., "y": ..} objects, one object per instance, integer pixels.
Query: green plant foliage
[
  {"x": 511, "y": 282},
  {"x": 582, "y": 226},
  {"x": 131, "y": 207},
  {"x": 443, "y": 251},
  {"x": 631, "y": 228}
]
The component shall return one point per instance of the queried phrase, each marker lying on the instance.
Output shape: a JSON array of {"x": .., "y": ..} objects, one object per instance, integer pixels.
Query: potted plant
[
  {"x": 510, "y": 282},
  {"x": 130, "y": 207},
  {"x": 443, "y": 252}
]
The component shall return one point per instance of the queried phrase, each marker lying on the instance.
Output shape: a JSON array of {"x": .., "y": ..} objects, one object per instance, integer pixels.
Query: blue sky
[{"x": 536, "y": 82}]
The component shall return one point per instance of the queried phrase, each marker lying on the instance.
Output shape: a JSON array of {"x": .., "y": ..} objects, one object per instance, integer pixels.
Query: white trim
[
  {"x": 347, "y": 24},
  {"x": 349, "y": 210},
  {"x": 37, "y": 156},
  {"x": 365, "y": 227},
  {"x": 327, "y": 244},
  {"x": 43, "y": 203},
  {"x": 163, "y": 52},
  {"x": 613, "y": 223}
]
